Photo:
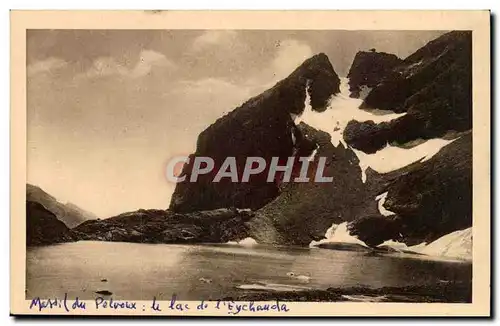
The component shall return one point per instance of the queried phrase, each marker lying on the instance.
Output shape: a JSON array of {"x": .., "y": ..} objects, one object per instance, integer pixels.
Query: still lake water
[{"x": 140, "y": 271}]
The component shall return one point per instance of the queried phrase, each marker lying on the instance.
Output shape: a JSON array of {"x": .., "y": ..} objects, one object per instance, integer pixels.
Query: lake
[{"x": 132, "y": 271}]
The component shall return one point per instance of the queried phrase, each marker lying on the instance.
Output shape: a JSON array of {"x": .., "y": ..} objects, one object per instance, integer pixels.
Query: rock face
[
  {"x": 163, "y": 226},
  {"x": 43, "y": 227},
  {"x": 304, "y": 211},
  {"x": 439, "y": 199},
  {"x": 263, "y": 127},
  {"x": 68, "y": 213},
  {"x": 433, "y": 86},
  {"x": 452, "y": 292},
  {"x": 368, "y": 69},
  {"x": 430, "y": 199}
]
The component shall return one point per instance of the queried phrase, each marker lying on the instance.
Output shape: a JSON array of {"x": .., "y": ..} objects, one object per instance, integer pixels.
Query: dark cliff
[
  {"x": 263, "y": 127},
  {"x": 368, "y": 70},
  {"x": 430, "y": 199}
]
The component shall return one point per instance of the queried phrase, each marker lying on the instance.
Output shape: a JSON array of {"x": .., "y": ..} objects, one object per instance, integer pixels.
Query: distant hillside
[{"x": 68, "y": 213}]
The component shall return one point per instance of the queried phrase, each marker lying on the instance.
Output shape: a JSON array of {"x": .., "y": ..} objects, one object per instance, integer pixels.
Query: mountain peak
[
  {"x": 368, "y": 69},
  {"x": 318, "y": 59},
  {"x": 317, "y": 75},
  {"x": 263, "y": 127}
]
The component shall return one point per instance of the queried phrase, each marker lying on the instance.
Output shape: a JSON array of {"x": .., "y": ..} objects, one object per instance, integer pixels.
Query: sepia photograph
[{"x": 244, "y": 171}]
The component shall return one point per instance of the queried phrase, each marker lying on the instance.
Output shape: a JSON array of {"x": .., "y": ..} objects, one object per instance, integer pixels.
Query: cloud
[
  {"x": 148, "y": 59},
  {"x": 211, "y": 38},
  {"x": 212, "y": 86},
  {"x": 47, "y": 65}
]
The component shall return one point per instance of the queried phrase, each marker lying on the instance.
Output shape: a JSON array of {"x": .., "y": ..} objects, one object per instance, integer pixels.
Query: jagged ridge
[{"x": 434, "y": 87}]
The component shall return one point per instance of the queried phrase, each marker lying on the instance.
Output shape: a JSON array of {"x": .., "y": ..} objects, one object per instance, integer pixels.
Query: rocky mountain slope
[
  {"x": 263, "y": 127},
  {"x": 163, "y": 226},
  {"x": 433, "y": 86},
  {"x": 368, "y": 69},
  {"x": 429, "y": 199},
  {"x": 68, "y": 213}
]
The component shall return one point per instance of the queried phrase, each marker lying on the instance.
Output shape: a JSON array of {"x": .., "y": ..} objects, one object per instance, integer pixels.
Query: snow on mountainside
[
  {"x": 457, "y": 245},
  {"x": 342, "y": 109}
]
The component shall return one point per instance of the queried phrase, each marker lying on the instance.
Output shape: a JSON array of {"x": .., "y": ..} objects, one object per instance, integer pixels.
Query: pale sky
[{"x": 107, "y": 109}]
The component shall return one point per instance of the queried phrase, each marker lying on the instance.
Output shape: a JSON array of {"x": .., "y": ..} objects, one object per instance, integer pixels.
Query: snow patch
[
  {"x": 401, "y": 246},
  {"x": 338, "y": 233},
  {"x": 364, "y": 91},
  {"x": 338, "y": 113},
  {"x": 391, "y": 158},
  {"x": 247, "y": 242},
  {"x": 381, "y": 201},
  {"x": 342, "y": 109},
  {"x": 456, "y": 244},
  {"x": 277, "y": 287},
  {"x": 294, "y": 139}
]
